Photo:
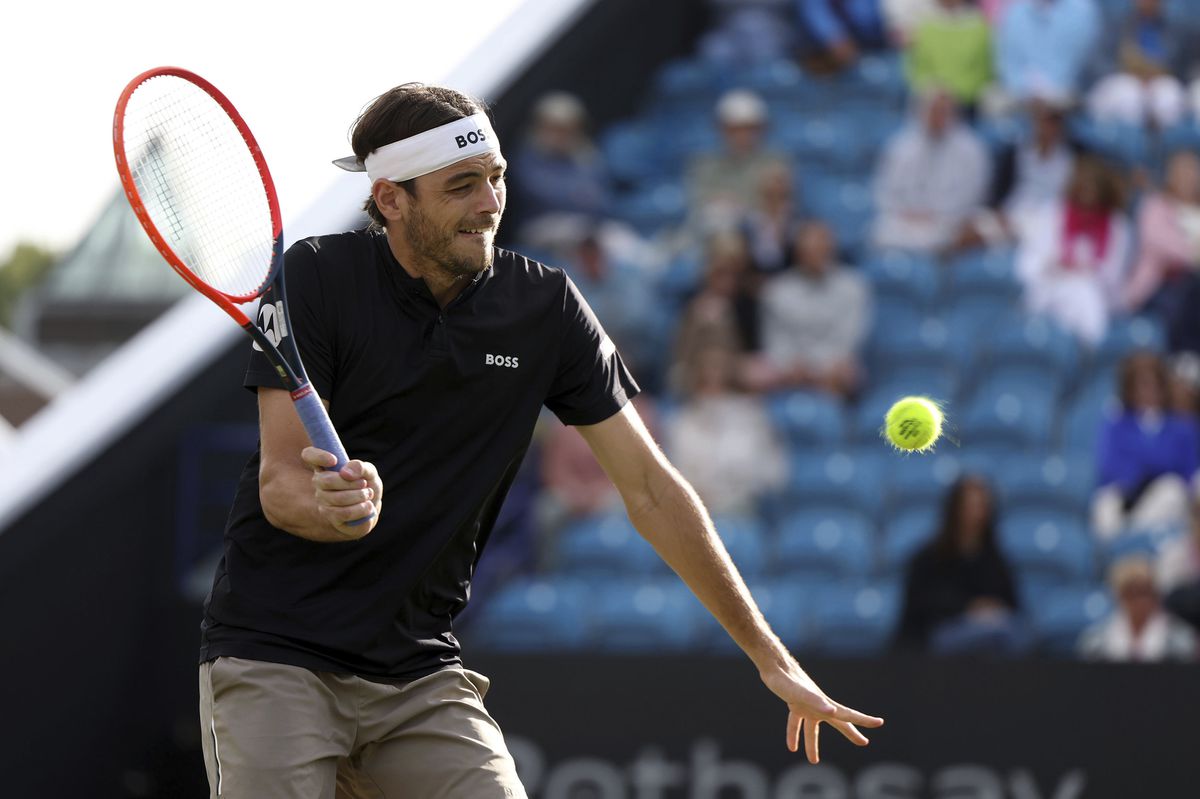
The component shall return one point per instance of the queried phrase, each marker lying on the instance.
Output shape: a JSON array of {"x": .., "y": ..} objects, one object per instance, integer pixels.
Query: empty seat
[
  {"x": 745, "y": 538},
  {"x": 1049, "y": 546},
  {"x": 1061, "y": 614},
  {"x": 854, "y": 620},
  {"x": 1010, "y": 413},
  {"x": 904, "y": 532},
  {"x": 824, "y": 544},
  {"x": 808, "y": 417},
  {"x": 1060, "y": 481},
  {"x": 904, "y": 274},
  {"x": 605, "y": 545},
  {"x": 644, "y": 616},
  {"x": 533, "y": 614},
  {"x": 841, "y": 477}
]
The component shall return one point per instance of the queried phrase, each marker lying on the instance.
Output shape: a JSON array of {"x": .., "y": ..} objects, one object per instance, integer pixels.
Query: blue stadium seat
[
  {"x": 973, "y": 317},
  {"x": 904, "y": 274},
  {"x": 1010, "y": 414},
  {"x": 687, "y": 81},
  {"x": 854, "y": 620},
  {"x": 824, "y": 544},
  {"x": 1061, "y": 614},
  {"x": 922, "y": 479},
  {"x": 843, "y": 202},
  {"x": 533, "y": 614},
  {"x": 605, "y": 545},
  {"x": 629, "y": 149},
  {"x": 1083, "y": 416},
  {"x": 876, "y": 79},
  {"x": 777, "y": 82},
  {"x": 644, "y": 616},
  {"x": 919, "y": 341},
  {"x": 1061, "y": 481},
  {"x": 746, "y": 539},
  {"x": 1128, "y": 144},
  {"x": 808, "y": 417},
  {"x": 904, "y": 532},
  {"x": 1050, "y": 545},
  {"x": 653, "y": 207},
  {"x": 1037, "y": 348},
  {"x": 840, "y": 477},
  {"x": 1126, "y": 335},
  {"x": 985, "y": 271}
]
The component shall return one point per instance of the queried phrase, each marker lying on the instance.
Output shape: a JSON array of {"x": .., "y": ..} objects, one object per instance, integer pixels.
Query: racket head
[{"x": 199, "y": 185}]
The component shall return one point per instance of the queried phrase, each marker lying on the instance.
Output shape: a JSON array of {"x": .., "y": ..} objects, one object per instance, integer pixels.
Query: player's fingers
[
  {"x": 333, "y": 481},
  {"x": 344, "y": 499},
  {"x": 348, "y": 513},
  {"x": 812, "y": 734},
  {"x": 843, "y": 713},
  {"x": 851, "y": 732},
  {"x": 317, "y": 458},
  {"x": 793, "y": 731}
]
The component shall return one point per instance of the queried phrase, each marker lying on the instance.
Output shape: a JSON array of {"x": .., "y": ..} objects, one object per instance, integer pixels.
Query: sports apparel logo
[
  {"x": 501, "y": 360},
  {"x": 270, "y": 322},
  {"x": 473, "y": 137}
]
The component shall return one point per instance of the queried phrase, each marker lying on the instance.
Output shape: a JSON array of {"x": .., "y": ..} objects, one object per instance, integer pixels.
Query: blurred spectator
[
  {"x": 1028, "y": 175},
  {"x": 903, "y": 17},
  {"x": 1148, "y": 456},
  {"x": 1073, "y": 256},
  {"x": 932, "y": 177},
  {"x": 748, "y": 32},
  {"x": 1139, "y": 629},
  {"x": 993, "y": 10},
  {"x": 769, "y": 225},
  {"x": 1141, "y": 68},
  {"x": 621, "y": 294},
  {"x": 833, "y": 33},
  {"x": 814, "y": 320},
  {"x": 1042, "y": 48},
  {"x": 952, "y": 49},
  {"x": 720, "y": 440},
  {"x": 723, "y": 312},
  {"x": 557, "y": 169},
  {"x": 1168, "y": 263},
  {"x": 723, "y": 187},
  {"x": 1183, "y": 391},
  {"x": 1178, "y": 572},
  {"x": 573, "y": 483},
  {"x": 959, "y": 594}
]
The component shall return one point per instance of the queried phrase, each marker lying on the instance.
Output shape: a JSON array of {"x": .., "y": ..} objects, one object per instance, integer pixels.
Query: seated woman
[
  {"x": 1148, "y": 456},
  {"x": 1167, "y": 274},
  {"x": 959, "y": 595},
  {"x": 1072, "y": 257}
]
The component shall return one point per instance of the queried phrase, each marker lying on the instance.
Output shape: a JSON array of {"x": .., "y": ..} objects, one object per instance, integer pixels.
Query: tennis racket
[{"x": 200, "y": 187}]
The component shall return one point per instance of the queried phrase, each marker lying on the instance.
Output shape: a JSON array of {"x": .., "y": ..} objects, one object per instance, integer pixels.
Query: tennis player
[{"x": 329, "y": 666}]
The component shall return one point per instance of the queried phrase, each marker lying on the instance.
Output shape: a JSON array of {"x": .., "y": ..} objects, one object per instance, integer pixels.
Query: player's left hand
[{"x": 809, "y": 707}]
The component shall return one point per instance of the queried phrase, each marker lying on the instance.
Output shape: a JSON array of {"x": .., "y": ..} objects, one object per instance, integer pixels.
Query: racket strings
[{"x": 200, "y": 184}]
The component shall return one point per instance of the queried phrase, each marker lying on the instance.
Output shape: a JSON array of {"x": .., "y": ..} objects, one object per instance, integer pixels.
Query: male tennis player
[{"x": 328, "y": 662}]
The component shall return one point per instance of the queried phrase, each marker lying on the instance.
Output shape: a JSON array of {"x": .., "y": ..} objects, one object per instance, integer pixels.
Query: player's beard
[{"x": 437, "y": 245}]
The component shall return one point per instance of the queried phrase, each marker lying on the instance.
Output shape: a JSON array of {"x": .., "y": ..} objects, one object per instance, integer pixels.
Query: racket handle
[{"x": 320, "y": 430}]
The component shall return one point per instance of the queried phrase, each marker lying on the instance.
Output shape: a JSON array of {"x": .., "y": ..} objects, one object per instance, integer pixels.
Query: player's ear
[{"x": 391, "y": 199}]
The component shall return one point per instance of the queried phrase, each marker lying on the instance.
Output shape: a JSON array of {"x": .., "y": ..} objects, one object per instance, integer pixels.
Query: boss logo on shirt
[
  {"x": 501, "y": 360},
  {"x": 471, "y": 138}
]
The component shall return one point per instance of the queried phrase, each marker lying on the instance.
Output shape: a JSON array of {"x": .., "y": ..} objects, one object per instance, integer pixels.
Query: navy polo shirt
[{"x": 443, "y": 402}]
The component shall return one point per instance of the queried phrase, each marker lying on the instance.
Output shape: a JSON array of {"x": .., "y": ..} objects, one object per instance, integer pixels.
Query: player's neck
[{"x": 443, "y": 284}]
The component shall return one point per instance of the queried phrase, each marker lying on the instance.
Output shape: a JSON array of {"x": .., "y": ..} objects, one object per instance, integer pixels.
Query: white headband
[{"x": 427, "y": 152}]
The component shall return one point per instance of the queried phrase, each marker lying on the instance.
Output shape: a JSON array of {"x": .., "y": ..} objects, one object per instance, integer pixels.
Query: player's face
[{"x": 454, "y": 217}]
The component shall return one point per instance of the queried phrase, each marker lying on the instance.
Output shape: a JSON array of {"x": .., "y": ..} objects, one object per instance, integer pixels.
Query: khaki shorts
[{"x": 271, "y": 730}]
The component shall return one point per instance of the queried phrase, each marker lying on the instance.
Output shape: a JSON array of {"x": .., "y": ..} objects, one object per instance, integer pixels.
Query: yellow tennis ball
[{"x": 913, "y": 423}]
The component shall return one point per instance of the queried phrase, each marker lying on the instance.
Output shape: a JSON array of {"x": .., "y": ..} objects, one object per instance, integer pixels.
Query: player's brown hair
[{"x": 404, "y": 111}]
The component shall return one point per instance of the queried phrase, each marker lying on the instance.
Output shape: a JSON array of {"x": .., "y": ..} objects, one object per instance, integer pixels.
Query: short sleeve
[
  {"x": 591, "y": 382},
  {"x": 309, "y": 323}
]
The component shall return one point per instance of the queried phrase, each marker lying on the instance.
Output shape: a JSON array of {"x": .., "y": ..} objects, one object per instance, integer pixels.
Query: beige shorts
[{"x": 271, "y": 730}]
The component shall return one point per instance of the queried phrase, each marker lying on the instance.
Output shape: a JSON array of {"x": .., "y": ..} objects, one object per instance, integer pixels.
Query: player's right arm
[{"x": 297, "y": 494}]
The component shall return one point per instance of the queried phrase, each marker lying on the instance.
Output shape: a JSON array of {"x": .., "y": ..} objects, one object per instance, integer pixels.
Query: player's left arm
[{"x": 668, "y": 513}]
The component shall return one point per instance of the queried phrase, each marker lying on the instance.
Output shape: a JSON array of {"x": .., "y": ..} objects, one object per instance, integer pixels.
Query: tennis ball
[{"x": 913, "y": 423}]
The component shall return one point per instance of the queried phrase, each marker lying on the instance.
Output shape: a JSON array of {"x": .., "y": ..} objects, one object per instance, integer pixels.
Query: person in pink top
[{"x": 1169, "y": 232}]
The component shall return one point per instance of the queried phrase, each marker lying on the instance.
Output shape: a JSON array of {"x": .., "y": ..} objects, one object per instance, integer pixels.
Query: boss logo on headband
[{"x": 474, "y": 137}]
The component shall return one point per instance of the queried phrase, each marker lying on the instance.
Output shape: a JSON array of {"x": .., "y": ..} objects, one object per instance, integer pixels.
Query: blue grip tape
[{"x": 320, "y": 430}]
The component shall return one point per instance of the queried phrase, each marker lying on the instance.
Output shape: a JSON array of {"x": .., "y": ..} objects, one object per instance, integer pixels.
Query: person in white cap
[
  {"x": 723, "y": 186},
  {"x": 328, "y": 662}
]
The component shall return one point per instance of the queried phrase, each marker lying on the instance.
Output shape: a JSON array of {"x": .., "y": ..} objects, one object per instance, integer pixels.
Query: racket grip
[{"x": 320, "y": 430}]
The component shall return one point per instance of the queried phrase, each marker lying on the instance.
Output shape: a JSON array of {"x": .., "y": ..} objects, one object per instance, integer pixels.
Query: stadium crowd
[{"x": 832, "y": 204}]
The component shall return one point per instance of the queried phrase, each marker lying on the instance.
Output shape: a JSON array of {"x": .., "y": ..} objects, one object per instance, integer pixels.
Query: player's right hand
[{"x": 344, "y": 496}]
